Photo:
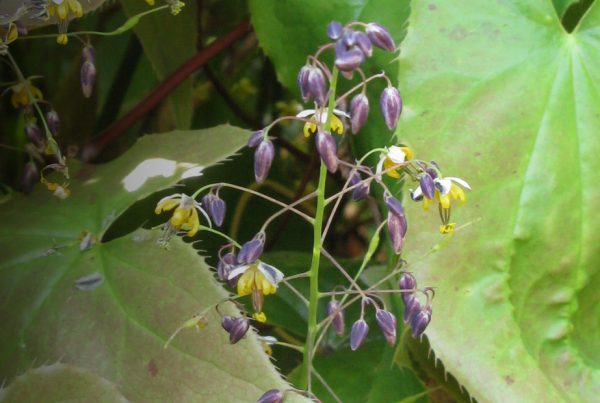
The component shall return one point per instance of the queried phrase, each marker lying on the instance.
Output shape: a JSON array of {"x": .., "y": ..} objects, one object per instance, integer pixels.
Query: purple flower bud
[
  {"x": 348, "y": 60},
  {"x": 263, "y": 158},
  {"x": 364, "y": 43},
  {"x": 427, "y": 186},
  {"x": 387, "y": 323},
  {"x": 255, "y": 138},
  {"x": 432, "y": 172},
  {"x": 334, "y": 30},
  {"x": 227, "y": 323},
  {"x": 215, "y": 206},
  {"x": 225, "y": 265},
  {"x": 303, "y": 83},
  {"x": 393, "y": 204},
  {"x": 238, "y": 327},
  {"x": 359, "y": 111},
  {"x": 327, "y": 150},
  {"x": 88, "y": 54},
  {"x": 348, "y": 39},
  {"x": 362, "y": 190},
  {"x": 53, "y": 122},
  {"x": 407, "y": 282},
  {"x": 380, "y": 37},
  {"x": 271, "y": 396},
  {"x": 334, "y": 310},
  {"x": 359, "y": 332},
  {"x": 420, "y": 321},
  {"x": 397, "y": 229},
  {"x": 31, "y": 175},
  {"x": 412, "y": 306},
  {"x": 391, "y": 106},
  {"x": 317, "y": 86},
  {"x": 34, "y": 134},
  {"x": 252, "y": 249},
  {"x": 88, "y": 78}
]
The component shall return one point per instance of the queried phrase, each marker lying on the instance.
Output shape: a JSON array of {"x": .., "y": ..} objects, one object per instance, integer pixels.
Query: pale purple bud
[
  {"x": 255, "y": 138},
  {"x": 271, "y": 396},
  {"x": 387, "y": 323},
  {"x": 317, "y": 86},
  {"x": 327, "y": 149},
  {"x": 364, "y": 43},
  {"x": 252, "y": 249},
  {"x": 88, "y": 54},
  {"x": 31, "y": 175},
  {"x": 391, "y": 106},
  {"x": 53, "y": 122},
  {"x": 263, "y": 158},
  {"x": 393, "y": 204},
  {"x": 397, "y": 229},
  {"x": 334, "y": 310},
  {"x": 334, "y": 30},
  {"x": 88, "y": 78},
  {"x": 359, "y": 111},
  {"x": 412, "y": 306},
  {"x": 348, "y": 60},
  {"x": 303, "y": 82},
  {"x": 407, "y": 283},
  {"x": 34, "y": 134},
  {"x": 427, "y": 186},
  {"x": 420, "y": 321},
  {"x": 359, "y": 332},
  {"x": 432, "y": 172},
  {"x": 362, "y": 190},
  {"x": 227, "y": 323},
  {"x": 238, "y": 327},
  {"x": 225, "y": 265},
  {"x": 215, "y": 207},
  {"x": 380, "y": 37}
]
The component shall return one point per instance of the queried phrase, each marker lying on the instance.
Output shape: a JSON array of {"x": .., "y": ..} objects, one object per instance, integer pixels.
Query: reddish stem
[{"x": 92, "y": 149}]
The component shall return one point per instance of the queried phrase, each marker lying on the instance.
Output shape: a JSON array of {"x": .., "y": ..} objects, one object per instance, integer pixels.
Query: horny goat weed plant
[{"x": 240, "y": 265}]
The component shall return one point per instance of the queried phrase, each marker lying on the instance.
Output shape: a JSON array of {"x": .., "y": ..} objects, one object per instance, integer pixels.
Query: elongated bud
[
  {"x": 317, "y": 86},
  {"x": 407, "y": 283},
  {"x": 236, "y": 327},
  {"x": 359, "y": 332},
  {"x": 252, "y": 249},
  {"x": 334, "y": 310},
  {"x": 302, "y": 80},
  {"x": 34, "y": 134},
  {"x": 362, "y": 190},
  {"x": 387, "y": 323},
  {"x": 412, "y": 306},
  {"x": 359, "y": 111},
  {"x": 396, "y": 228},
  {"x": 263, "y": 158},
  {"x": 380, "y": 37},
  {"x": 88, "y": 78},
  {"x": 393, "y": 204},
  {"x": 391, "y": 106},
  {"x": 53, "y": 122},
  {"x": 348, "y": 59},
  {"x": 215, "y": 207},
  {"x": 427, "y": 186},
  {"x": 271, "y": 396},
  {"x": 420, "y": 321},
  {"x": 225, "y": 265},
  {"x": 31, "y": 175},
  {"x": 88, "y": 54},
  {"x": 364, "y": 43},
  {"x": 327, "y": 149},
  {"x": 255, "y": 138},
  {"x": 334, "y": 30}
]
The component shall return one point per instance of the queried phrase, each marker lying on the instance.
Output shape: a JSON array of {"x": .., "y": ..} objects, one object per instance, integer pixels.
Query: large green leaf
[
  {"x": 168, "y": 41},
  {"x": 499, "y": 94},
  {"x": 115, "y": 328}
]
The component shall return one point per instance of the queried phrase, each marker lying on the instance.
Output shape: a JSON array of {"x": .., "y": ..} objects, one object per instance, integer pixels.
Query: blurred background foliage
[{"x": 475, "y": 77}]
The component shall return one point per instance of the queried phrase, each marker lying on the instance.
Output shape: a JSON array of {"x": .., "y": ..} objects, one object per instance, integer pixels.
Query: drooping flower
[
  {"x": 446, "y": 190},
  {"x": 21, "y": 92},
  {"x": 393, "y": 156},
  {"x": 64, "y": 11},
  {"x": 185, "y": 216},
  {"x": 319, "y": 118}
]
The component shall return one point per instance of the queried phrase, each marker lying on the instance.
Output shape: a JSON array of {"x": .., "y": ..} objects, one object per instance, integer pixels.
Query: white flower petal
[
  {"x": 237, "y": 271},
  {"x": 396, "y": 154},
  {"x": 340, "y": 113},
  {"x": 379, "y": 167},
  {"x": 417, "y": 194},
  {"x": 272, "y": 275},
  {"x": 201, "y": 210},
  {"x": 461, "y": 182},
  {"x": 305, "y": 113},
  {"x": 443, "y": 185},
  {"x": 173, "y": 196}
]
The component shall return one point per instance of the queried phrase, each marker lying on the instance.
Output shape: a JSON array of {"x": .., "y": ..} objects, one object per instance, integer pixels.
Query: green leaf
[
  {"x": 500, "y": 95},
  {"x": 562, "y": 5},
  {"x": 169, "y": 41},
  {"x": 110, "y": 309}
]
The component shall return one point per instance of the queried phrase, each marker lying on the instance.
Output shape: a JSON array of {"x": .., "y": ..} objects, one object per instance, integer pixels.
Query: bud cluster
[{"x": 416, "y": 315}]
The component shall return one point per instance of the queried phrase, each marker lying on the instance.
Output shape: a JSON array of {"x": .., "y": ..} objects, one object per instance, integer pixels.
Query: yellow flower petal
[
  {"x": 180, "y": 216},
  {"x": 166, "y": 205},
  {"x": 444, "y": 200},
  {"x": 387, "y": 164},
  {"x": 244, "y": 285},
  {"x": 458, "y": 193},
  {"x": 447, "y": 228},
  {"x": 309, "y": 129},
  {"x": 62, "y": 10},
  {"x": 408, "y": 152},
  {"x": 193, "y": 222},
  {"x": 259, "y": 317},
  {"x": 336, "y": 125},
  {"x": 76, "y": 8}
]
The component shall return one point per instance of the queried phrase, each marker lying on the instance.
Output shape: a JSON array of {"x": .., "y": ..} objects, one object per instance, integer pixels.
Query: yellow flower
[
  {"x": 9, "y": 33},
  {"x": 446, "y": 190},
  {"x": 258, "y": 279},
  {"x": 185, "y": 217},
  {"x": 64, "y": 11},
  {"x": 392, "y": 157},
  {"x": 319, "y": 117},
  {"x": 21, "y": 91}
]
